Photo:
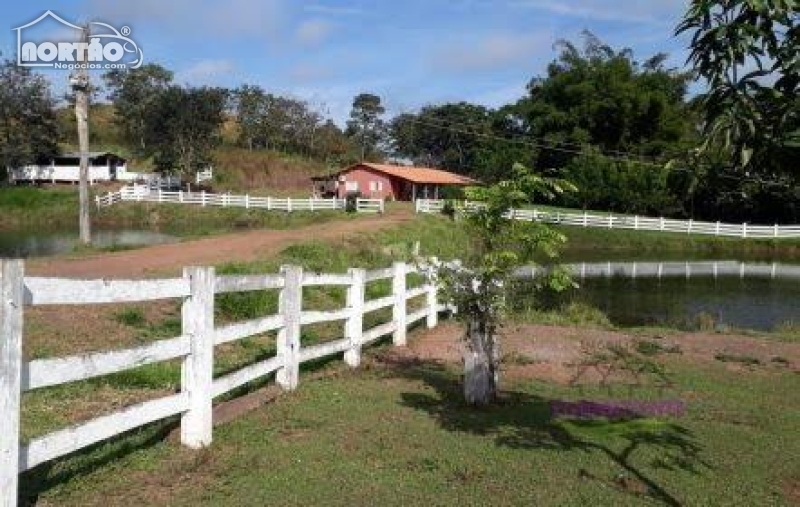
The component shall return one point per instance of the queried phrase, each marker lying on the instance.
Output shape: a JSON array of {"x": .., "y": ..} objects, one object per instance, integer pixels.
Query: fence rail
[
  {"x": 611, "y": 221},
  {"x": 195, "y": 346},
  {"x": 670, "y": 270},
  {"x": 140, "y": 193}
]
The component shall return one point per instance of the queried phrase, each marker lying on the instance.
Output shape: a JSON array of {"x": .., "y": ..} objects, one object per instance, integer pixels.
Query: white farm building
[{"x": 103, "y": 166}]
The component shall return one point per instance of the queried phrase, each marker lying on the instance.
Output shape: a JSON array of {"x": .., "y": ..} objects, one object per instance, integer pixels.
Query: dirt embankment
[{"x": 556, "y": 353}]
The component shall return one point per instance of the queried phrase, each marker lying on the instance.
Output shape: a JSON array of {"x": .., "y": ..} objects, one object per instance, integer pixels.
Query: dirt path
[
  {"x": 169, "y": 259},
  {"x": 552, "y": 353}
]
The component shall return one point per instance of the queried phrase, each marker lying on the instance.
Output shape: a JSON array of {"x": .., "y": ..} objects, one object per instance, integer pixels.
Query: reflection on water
[
  {"x": 40, "y": 244},
  {"x": 758, "y": 302}
]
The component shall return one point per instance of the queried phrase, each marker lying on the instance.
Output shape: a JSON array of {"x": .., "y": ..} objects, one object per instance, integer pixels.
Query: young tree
[
  {"x": 28, "y": 125},
  {"x": 135, "y": 94},
  {"x": 183, "y": 127},
  {"x": 366, "y": 124},
  {"x": 481, "y": 287}
]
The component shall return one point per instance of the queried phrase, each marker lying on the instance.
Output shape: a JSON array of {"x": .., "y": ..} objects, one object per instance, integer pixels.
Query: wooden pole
[
  {"x": 197, "y": 372},
  {"x": 354, "y": 328},
  {"x": 11, "y": 280},
  {"x": 291, "y": 307},
  {"x": 399, "y": 308},
  {"x": 80, "y": 84}
]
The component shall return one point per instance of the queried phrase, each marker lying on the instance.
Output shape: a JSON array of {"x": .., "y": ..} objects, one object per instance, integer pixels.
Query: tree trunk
[{"x": 480, "y": 364}]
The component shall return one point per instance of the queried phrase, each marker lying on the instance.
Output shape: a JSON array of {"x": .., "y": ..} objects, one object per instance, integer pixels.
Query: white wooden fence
[
  {"x": 611, "y": 221},
  {"x": 195, "y": 346},
  {"x": 138, "y": 193},
  {"x": 671, "y": 270}
]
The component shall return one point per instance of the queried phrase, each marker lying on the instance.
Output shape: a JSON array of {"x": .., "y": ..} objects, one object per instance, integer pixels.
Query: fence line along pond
[{"x": 611, "y": 221}]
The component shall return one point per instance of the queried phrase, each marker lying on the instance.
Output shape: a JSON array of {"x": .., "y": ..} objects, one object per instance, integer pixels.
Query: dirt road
[{"x": 169, "y": 259}]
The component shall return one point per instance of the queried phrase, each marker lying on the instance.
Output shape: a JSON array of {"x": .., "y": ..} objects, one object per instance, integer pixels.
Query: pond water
[
  {"x": 751, "y": 302},
  {"x": 44, "y": 243},
  {"x": 758, "y": 302}
]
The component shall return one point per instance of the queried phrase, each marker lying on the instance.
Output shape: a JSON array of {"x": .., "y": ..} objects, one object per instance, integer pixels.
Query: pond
[
  {"x": 750, "y": 296},
  {"x": 43, "y": 243}
]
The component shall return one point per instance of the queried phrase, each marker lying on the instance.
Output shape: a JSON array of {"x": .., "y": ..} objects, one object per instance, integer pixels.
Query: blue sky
[{"x": 411, "y": 52}]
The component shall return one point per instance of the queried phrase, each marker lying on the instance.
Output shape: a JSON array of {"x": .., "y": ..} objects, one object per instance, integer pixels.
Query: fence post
[
  {"x": 269, "y": 203},
  {"x": 636, "y": 222},
  {"x": 288, "y": 204},
  {"x": 432, "y": 304},
  {"x": 354, "y": 327},
  {"x": 689, "y": 227},
  {"x": 585, "y": 219},
  {"x": 661, "y": 225},
  {"x": 775, "y": 232},
  {"x": 159, "y": 194},
  {"x": 11, "y": 280},
  {"x": 744, "y": 230},
  {"x": 197, "y": 371},
  {"x": 416, "y": 206},
  {"x": 610, "y": 221},
  {"x": 203, "y": 198},
  {"x": 180, "y": 195},
  {"x": 399, "y": 309},
  {"x": 716, "y": 229},
  {"x": 291, "y": 307}
]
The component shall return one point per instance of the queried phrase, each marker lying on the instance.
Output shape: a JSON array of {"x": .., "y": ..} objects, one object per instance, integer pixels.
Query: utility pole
[{"x": 80, "y": 85}]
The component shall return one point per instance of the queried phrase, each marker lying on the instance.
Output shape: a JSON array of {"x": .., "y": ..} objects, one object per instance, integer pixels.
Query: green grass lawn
[{"x": 398, "y": 434}]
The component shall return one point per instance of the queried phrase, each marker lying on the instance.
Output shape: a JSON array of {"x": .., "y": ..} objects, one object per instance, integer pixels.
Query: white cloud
[
  {"x": 313, "y": 31},
  {"x": 640, "y": 11},
  {"x": 493, "y": 51},
  {"x": 205, "y": 72}
]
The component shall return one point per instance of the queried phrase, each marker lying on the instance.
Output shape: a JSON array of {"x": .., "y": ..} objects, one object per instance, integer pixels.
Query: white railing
[
  {"x": 204, "y": 175},
  {"x": 670, "y": 269},
  {"x": 195, "y": 347},
  {"x": 611, "y": 221},
  {"x": 139, "y": 193}
]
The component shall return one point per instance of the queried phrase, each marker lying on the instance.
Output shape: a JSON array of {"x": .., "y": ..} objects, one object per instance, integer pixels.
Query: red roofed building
[{"x": 392, "y": 182}]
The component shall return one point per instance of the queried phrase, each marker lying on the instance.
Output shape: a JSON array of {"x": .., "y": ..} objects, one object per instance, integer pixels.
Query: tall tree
[
  {"x": 748, "y": 53},
  {"x": 466, "y": 138},
  {"x": 28, "y": 126},
  {"x": 251, "y": 105},
  {"x": 596, "y": 95},
  {"x": 183, "y": 127},
  {"x": 135, "y": 94},
  {"x": 366, "y": 124}
]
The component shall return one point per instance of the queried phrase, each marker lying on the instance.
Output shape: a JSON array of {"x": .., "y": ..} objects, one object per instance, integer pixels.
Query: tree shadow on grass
[{"x": 522, "y": 421}]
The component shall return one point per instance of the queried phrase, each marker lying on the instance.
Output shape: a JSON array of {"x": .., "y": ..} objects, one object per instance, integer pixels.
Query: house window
[
  {"x": 351, "y": 186},
  {"x": 376, "y": 186}
]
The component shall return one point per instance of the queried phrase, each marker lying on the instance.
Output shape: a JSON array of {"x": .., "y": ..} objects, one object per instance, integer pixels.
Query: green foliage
[
  {"x": 135, "y": 94},
  {"x": 28, "y": 127},
  {"x": 183, "y": 127},
  {"x": 625, "y": 186},
  {"x": 366, "y": 125},
  {"x": 482, "y": 288},
  {"x": 747, "y": 51},
  {"x": 602, "y": 97},
  {"x": 461, "y": 137}
]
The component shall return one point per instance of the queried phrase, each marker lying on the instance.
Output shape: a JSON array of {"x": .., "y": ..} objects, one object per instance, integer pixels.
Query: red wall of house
[{"x": 389, "y": 187}]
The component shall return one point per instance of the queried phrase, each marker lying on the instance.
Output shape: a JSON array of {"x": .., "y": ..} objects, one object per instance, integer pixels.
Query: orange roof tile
[{"x": 421, "y": 175}]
